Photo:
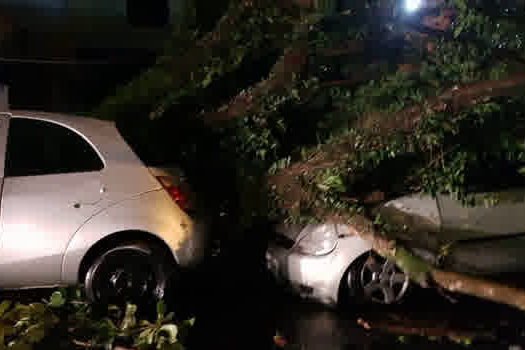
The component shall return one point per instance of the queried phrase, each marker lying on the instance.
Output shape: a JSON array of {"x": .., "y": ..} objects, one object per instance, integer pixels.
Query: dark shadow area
[
  {"x": 71, "y": 88},
  {"x": 233, "y": 297},
  {"x": 238, "y": 306}
]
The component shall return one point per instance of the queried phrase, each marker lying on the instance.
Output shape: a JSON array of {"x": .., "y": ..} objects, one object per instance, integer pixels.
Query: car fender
[
  {"x": 152, "y": 212},
  {"x": 348, "y": 250}
]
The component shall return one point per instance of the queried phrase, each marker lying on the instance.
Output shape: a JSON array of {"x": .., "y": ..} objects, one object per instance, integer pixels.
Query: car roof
[{"x": 72, "y": 121}]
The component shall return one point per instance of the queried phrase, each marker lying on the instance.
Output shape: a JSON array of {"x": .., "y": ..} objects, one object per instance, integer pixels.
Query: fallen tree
[{"x": 349, "y": 93}]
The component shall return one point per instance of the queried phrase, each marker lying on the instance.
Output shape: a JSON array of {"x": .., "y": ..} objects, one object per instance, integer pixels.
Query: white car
[
  {"x": 329, "y": 264},
  {"x": 78, "y": 206}
]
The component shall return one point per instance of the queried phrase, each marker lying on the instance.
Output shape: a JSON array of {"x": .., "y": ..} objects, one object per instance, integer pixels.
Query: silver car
[
  {"x": 329, "y": 264},
  {"x": 78, "y": 206}
]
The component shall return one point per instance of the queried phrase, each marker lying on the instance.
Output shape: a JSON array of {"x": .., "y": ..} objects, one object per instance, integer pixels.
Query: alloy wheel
[{"x": 382, "y": 281}]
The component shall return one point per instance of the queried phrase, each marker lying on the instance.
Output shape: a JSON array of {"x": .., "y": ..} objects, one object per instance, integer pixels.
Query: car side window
[{"x": 37, "y": 147}]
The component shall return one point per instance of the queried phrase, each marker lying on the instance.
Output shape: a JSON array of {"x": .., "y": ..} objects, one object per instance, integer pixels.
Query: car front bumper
[{"x": 315, "y": 277}]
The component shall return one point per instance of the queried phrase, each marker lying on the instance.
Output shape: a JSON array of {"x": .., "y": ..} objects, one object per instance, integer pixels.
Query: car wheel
[
  {"x": 132, "y": 272},
  {"x": 376, "y": 279}
]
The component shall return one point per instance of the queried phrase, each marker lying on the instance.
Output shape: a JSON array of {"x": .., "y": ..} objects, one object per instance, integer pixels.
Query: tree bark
[{"x": 281, "y": 76}]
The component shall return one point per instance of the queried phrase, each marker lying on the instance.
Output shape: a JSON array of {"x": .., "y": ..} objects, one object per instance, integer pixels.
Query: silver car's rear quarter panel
[
  {"x": 316, "y": 277},
  {"x": 152, "y": 213}
]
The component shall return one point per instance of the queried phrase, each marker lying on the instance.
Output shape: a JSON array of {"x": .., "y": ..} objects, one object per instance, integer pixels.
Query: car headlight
[{"x": 317, "y": 239}]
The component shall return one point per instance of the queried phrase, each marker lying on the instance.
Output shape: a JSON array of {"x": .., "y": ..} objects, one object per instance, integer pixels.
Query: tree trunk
[{"x": 424, "y": 273}]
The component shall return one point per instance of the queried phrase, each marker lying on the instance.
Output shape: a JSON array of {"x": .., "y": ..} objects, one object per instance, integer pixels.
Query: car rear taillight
[{"x": 179, "y": 194}]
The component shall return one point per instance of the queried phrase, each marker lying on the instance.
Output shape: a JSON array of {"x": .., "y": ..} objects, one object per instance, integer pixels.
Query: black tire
[
  {"x": 134, "y": 272},
  {"x": 350, "y": 291},
  {"x": 355, "y": 280}
]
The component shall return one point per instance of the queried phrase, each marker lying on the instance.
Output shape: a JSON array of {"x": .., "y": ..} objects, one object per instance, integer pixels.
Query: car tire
[
  {"x": 374, "y": 279},
  {"x": 134, "y": 272}
]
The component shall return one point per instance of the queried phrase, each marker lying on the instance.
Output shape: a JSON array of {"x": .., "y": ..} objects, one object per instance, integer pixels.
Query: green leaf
[
  {"x": 17, "y": 312},
  {"x": 113, "y": 308},
  {"x": 161, "y": 308},
  {"x": 171, "y": 330},
  {"x": 207, "y": 80},
  {"x": 37, "y": 308},
  {"x": 6, "y": 304},
  {"x": 169, "y": 317},
  {"x": 35, "y": 333},
  {"x": 461, "y": 4},
  {"x": 458, "y": 30},
  {"x": 129, "y": 319},
  {"x": 145, "y": 337},
  {"x": 22, "y": 323},
  {"x": 57, "y": 299},
  {"x": 150, "y": 337},
  {"x": 323, "y": 187},
  {"x": 144, "y": 323},
  {"x": 161, "y": 341}
]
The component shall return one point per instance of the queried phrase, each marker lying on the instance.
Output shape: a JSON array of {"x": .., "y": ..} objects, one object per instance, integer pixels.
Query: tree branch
[
  {"x": 281, "y": 76},
  {"x": 425, "y": 327},
  {"x": 421, "y": 271}
]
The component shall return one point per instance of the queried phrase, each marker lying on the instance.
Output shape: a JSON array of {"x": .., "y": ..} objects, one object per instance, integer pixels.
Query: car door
[{"x": 52, "y": 186}]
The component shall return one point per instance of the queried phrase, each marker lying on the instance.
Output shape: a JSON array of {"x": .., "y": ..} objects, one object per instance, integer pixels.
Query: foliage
[
  {"x": 448, "y": 151},
  {"x": 399, "y": 66},
  {"x": 493, "y": 32},
  {"x": 165, "y": 84},
  {"x": 478, "y": 149},
  {"x": 67, "y": 319}
]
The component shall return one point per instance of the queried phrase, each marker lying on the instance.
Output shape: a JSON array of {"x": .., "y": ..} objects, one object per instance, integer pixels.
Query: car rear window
[{"x": 37, "y": 147}]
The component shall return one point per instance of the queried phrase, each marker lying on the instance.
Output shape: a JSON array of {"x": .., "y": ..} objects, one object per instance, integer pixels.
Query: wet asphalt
[{"x": 239, "y": 306}]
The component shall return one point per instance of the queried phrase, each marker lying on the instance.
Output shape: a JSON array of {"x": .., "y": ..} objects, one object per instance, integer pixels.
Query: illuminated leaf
[
  {"x": 4, "y": 306},
  {"x": 171, "y": 330},
  {"x": 57, "y": 299}
]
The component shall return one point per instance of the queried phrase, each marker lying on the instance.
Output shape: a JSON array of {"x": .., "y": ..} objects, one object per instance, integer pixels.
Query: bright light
[{"x": 412, "y": 5}]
